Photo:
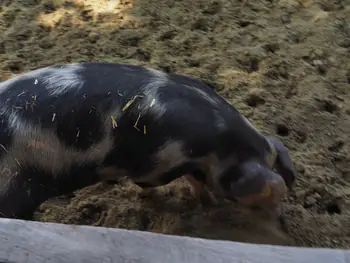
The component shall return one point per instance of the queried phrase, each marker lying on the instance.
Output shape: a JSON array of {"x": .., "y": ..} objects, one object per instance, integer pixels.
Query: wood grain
[{"x": 37, "y": 242}]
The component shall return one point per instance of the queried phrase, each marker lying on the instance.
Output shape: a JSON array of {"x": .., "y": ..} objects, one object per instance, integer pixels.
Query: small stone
[
  {"x": 285, "y": 19},
  {"x": 322, "y": 69},
  {"x": 300, "y": 194},
  {"x": 319, "y": 52},
  {"x": 338, "y": 194},
  {"x": 317, "y": 196},
  {"x": 347, "y": 191},
  {"x": 309, "y": 201},
  {"x": 93, "y": 37},
  {"x": 318, "y": 188},
  {"x": 332, "y": 60},
  {"x": 313, "y": 182},
  {"x": 317, "y": 62}
]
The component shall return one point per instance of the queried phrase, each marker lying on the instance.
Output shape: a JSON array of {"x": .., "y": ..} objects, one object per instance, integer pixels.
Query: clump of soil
[{"x": 284, "y": 64}]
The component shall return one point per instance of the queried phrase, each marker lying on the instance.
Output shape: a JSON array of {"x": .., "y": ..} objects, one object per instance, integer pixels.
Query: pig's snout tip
[{"x": 270, "y": 195}]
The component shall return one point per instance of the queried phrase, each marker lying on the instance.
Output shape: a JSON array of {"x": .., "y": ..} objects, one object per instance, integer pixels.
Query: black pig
[{"x": 68, "y": 126}]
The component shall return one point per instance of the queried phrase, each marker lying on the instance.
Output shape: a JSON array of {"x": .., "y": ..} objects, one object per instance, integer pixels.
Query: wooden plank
[{"x": 36, "y": 242}]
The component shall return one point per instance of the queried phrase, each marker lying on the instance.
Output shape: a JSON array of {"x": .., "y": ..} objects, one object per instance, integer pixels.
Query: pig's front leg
[{"x": 200, "y": 191}]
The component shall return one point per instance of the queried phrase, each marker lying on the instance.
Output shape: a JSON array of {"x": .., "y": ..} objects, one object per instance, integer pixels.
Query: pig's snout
[
  {"x": 259, "y": 186},
  {"x": 269, "y": 195}
]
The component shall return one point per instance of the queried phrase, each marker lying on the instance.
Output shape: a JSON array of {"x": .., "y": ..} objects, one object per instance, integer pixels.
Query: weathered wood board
[{"x": 36, "y": 242}]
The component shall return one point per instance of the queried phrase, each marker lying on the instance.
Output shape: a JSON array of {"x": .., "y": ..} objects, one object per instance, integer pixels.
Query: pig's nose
[
  {"x": 260, "y": 186},
  {"x": 269, "y": 195}
]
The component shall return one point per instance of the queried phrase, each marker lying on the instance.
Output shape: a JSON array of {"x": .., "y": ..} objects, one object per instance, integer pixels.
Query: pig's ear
[{"x": 284, "y": 164}]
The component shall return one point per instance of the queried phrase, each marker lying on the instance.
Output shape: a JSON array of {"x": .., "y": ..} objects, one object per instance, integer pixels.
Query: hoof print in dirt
[
  {"x": 322, "y": 205},
  {"x": 2, "y": 48},
  {"x": 168, "y": 35},
  {"x": 244, "y": 23},
  {"x": 255, "y": 98},
  {"x": 279, "y": 70},
  {"x": 329, "y": 6},
  {"x": 309, "y": 201},
  {"x": 348, "y": 74},
  {"x": 250, "y": 64},
  {"x": 282, "y": 129},
  {"x": 51, "y": 6},
  {"x": 14, "y": 66},
  {"x": 271, "y": 47},
  {"x": 328, "y": 105},
  {"x": 336, "y": 146},
  {"x": 330, "y": 206},
  {"x": 320, "y": 66},
  {"x": 201, "y": 24},
  {"x": 300, "y": 136}
]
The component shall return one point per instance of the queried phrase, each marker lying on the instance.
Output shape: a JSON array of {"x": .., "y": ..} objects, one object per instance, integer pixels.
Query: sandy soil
[{"x": 285, "y": 64}]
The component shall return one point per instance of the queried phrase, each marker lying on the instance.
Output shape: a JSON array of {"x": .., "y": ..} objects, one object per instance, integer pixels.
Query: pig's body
[{"x": 64, "y": 127}]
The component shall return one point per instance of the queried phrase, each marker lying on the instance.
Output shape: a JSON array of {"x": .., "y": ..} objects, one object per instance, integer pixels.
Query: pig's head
[{"x": 254, "y": 181}]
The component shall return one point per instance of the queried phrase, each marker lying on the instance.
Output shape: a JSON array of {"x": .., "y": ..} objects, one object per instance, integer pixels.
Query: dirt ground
[{"x": 285, "y": 64}]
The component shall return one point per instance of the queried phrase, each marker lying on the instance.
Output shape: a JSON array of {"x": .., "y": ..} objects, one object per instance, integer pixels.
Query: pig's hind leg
[
  {"x": 194, "y": 177},
  {"x": 191, "y": 174},
  {"x": 20, "y": 193}
]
